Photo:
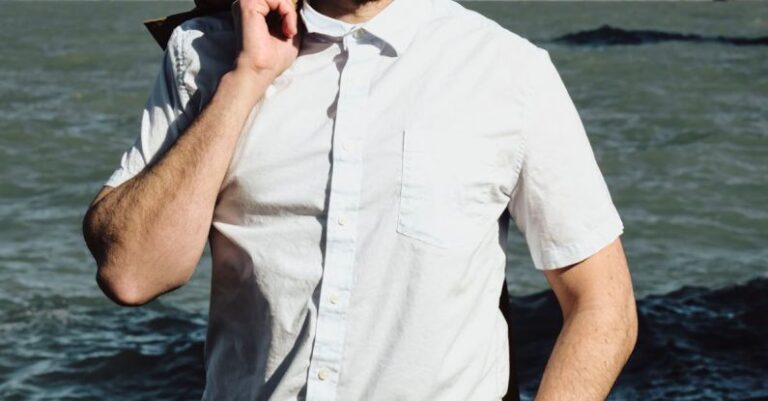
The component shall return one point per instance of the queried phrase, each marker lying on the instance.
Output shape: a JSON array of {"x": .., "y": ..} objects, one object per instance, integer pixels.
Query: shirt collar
[{"x": 396, "y": 24}]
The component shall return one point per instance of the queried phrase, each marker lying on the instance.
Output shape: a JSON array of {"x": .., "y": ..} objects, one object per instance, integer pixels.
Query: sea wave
[
  {"x": 694, "y": 344},
  {"x": 607, "y": 35}
]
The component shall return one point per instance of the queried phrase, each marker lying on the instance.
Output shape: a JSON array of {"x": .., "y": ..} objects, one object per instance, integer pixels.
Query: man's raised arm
[{"x": 148, "y": 234}]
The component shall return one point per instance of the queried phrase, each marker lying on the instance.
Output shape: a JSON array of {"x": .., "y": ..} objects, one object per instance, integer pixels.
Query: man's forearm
[
  {"x": 592, "y": 348},
  {"x": 149, "y": 233}
]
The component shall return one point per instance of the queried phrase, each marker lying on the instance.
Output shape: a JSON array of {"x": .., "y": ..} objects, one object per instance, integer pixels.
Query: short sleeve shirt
[{"x": 357, "y": 246}]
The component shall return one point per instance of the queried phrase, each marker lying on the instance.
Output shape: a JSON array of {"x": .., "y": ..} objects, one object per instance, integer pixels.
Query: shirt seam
[
  {"x": 180, "y": 63},
  {"x": 522, "y": 150}
]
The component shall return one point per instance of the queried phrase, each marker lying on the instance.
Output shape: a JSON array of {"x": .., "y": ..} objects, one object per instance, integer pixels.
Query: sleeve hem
[
  {"x": 556, "y": 258},
  {"x": 118, "y": 177}
]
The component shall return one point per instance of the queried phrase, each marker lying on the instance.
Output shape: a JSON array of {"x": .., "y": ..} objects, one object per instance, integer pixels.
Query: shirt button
[
  {"x": 357, "y": 33},
  {"x": 347, "y": 146},
  {"x": 323, "y": 373},
  {"x": 342, "y": 220},
  {"x": 334, "y": 298}
]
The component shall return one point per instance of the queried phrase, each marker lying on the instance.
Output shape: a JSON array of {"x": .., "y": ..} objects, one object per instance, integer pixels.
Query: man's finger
[
  {"x": 290, "y": 22},
  {"x": 287, "y": 12}
]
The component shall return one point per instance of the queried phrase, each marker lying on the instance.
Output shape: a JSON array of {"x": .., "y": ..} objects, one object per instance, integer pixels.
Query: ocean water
[{"x": 674, "y": 97}]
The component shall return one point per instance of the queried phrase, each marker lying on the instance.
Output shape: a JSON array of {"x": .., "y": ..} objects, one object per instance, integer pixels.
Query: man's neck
[{"x": 351, "y": 11}]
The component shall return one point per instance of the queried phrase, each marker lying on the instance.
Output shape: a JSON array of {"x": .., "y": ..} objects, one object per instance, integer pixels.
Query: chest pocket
[{"x": 450, "y": 186}]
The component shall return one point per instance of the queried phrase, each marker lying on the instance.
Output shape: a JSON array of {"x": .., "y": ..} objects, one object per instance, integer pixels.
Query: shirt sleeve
[
  {"x": 560, "y": 203},
  {"x": 163, "y": 118}
]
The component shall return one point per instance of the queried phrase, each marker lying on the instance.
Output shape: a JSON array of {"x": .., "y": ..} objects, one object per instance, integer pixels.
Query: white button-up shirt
[{"x": 357, "y": 248}]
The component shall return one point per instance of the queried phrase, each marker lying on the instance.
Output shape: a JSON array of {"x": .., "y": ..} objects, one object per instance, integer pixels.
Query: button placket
[{"x": 341, "y": 235}]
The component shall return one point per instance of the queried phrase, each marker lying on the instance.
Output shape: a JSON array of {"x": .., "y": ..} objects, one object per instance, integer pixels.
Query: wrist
[
  {"x": 249, "y": 78},
  {"x": 245, "y": 84}
]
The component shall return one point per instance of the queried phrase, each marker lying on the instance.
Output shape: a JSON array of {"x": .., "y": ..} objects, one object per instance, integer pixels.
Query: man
[{"x": 349, "y": 170}]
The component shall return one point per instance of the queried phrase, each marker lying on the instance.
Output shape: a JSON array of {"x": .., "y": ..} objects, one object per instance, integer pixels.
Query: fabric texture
[{"x": 356, "y": 247}]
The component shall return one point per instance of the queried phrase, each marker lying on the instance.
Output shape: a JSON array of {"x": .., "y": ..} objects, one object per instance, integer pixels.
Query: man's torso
[{"x": 356, "y": 248}]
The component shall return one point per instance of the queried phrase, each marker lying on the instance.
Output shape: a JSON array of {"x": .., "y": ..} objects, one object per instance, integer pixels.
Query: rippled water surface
[{"x": 677, "y": 117}]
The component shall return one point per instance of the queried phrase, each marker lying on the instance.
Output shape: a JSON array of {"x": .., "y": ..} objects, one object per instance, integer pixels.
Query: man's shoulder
[
  {"x": 201, "y": 50},
  {"x": 456, "y": 18},
  {"x": 208, "y": 36}
]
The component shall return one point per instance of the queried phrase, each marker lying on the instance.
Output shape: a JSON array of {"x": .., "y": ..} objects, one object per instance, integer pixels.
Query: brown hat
[{"x": 161, "y": 28}]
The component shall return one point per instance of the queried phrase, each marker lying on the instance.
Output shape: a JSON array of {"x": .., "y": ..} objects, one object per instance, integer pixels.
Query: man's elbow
[
  {"x": 123, "y": 290},
  {"x": 110, "y": 274},
  {"x": 631, "y": 325},
  {"x": 129, "y": 286},
  {"x": 616, "y": 317},
  {"x": 130, "y": 273},
  {"x": 134, "y": 287},
  {"x": 621, "y": 323}
]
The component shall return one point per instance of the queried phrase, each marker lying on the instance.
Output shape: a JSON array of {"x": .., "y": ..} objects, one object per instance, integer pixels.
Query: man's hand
[
  {"x": 266, "y": 46},
  {"x": 599, "y": 327},
  {"x": 148, "y": 234}
]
